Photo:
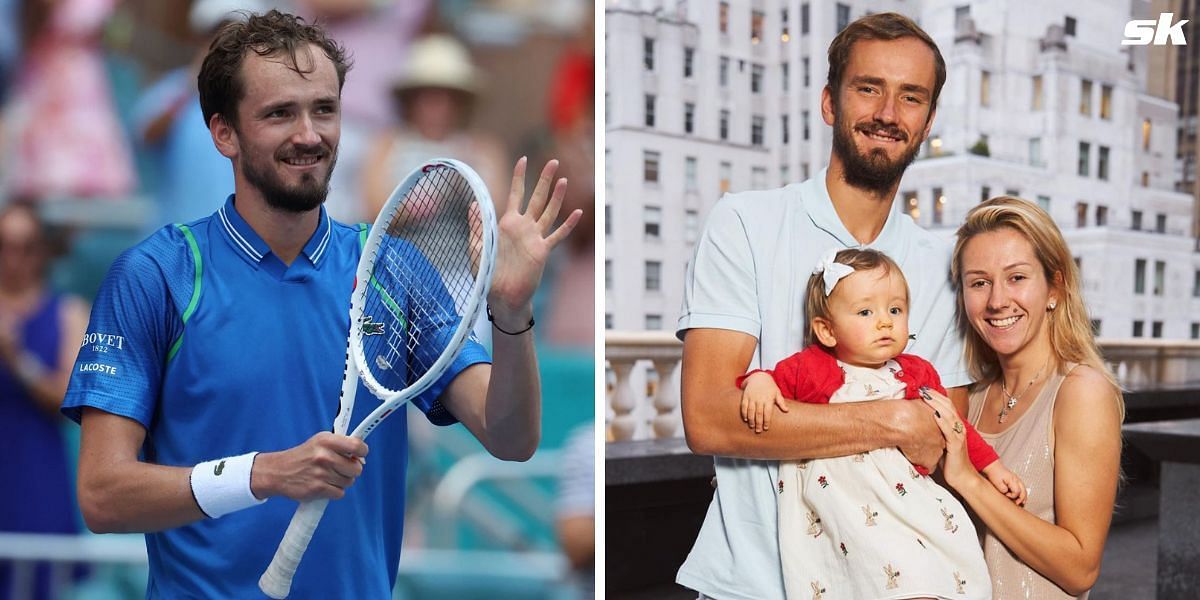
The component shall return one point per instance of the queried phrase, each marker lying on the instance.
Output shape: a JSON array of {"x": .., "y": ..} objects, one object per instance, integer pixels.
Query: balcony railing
[{"x": 642, "y": 375}]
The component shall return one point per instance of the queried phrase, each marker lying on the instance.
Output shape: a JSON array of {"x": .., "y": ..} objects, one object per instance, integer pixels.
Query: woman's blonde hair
[
  {"x": 816, "y": 303},
  {"x": 1071, "y": 337}
]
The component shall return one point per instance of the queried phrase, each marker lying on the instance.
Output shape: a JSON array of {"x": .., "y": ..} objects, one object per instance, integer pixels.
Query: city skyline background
[{"x": 1042, "y": 102}]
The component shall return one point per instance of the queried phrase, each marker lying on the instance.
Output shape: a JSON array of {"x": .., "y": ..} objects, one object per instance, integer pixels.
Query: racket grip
[{"x": 276, "y": 581}]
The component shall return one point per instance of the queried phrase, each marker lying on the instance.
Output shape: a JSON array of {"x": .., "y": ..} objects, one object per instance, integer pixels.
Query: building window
[
  {"x": 806, "y": 70},
  {"x": 1146, "y": 135},
  {"x": 1015, "y": 193},
  {"x": 691, "y": 225},
  {"x": 1044, "y": 202},
  {"x": 650, "y": 166},
  {"x": 1160, "y": 223},
  {"x": 756, "y": 26},
  {"x": 653, "y": 322},
  {"x": 689, "y": 115},
  {"x": 724, "y": 174},
  {"x": 1081, "y": 209},
  {"x": 1196, "y": 284},
  {"x": 1096, "y": 327},
  {"x": 804, "y": 18},
  {"x": 1139, "y": 329},
  {"x": 803, "y": 171},
  {"x": 1160, "y": 277},
  {"x": 607, "y": 220},
  {"x": 911, "y": 206},
  {"x": 783, "y": 128},
  {"x": 723, "y": 71},
  {"x": 653, "y": 276},
  {"x": 1136, "y": 223},
  {"x": 649, "y": 110},
  {"x": 1085, "y": 97},
  {"x": 939, "y": 205},
  {"x": 1085, "y": 150},
  {"x": 785, "y": 175},
  {"x": 1196, "y": 331},
  {"x": 804, "y": 125},
  {"x": 843, "y": 16},
  {"x": 1069, "y": 26},
  {"x": 723, "y": 18},
  {"x": 756, "y": 77},
  {"x": 784, "y": 79},
  {"x": 1156, "y": 329},
  {"x": 1036, "y": 102},
  {"x": 608, "y": 321},
  {"x": 784, "y": 34},
  {"x": 1145, "y": 178},
  {"x": 1139, "y": 276},
  {"x": 1035, "y": 152},
  {"x": 1102, "y": 165},
  {"x": 651, "y": 222},
  {"x": 723, "y": 129},
  {"x": 689, "y": 56},
  {"x": 756, "y": 130},
  {"x": 985, "y": 192},
  {"x": 648, "y": 53},
  {"x": 689, "y": 173},
  {"x": 1101, "y": 216},
  {"x": 1106, "y": 101},
  {"x": 985, "y": 82},
  {"x": 758, "y": 178},
  {"x": 961, "y": 13},
  {"x": 608, "y": 274}
]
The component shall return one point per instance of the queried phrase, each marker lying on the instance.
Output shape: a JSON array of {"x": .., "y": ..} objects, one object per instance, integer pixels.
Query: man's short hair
[
  {"x": 220, "y": 80},
  {"x": 882, "y": 26}
]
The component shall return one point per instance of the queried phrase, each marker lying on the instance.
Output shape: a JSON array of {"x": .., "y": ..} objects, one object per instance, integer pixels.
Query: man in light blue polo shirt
[
  {"x": 744, "y": 303},
  {"x": 214, "y": 350}
]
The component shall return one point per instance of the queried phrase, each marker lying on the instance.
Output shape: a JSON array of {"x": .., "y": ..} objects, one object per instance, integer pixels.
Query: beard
[
  {"x": 871, "y": 171},
  {"x": 302, "y": 197}
]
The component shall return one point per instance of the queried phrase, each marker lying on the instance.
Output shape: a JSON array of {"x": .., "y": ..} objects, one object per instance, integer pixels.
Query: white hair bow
[{"x": 833, "y": 271}]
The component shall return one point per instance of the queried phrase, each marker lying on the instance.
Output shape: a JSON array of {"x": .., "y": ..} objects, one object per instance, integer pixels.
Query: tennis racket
[{"x": 425, "y": 270}]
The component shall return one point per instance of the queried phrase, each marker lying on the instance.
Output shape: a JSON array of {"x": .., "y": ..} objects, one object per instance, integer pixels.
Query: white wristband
[{"x": 222, "y": 486}]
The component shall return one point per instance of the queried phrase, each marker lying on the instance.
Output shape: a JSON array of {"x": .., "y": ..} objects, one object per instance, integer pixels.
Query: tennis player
[{"x": 213, "y": 350}]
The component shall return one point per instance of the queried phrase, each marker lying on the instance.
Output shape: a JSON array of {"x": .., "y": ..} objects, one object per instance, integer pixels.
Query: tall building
[{"x": 1041, "y": 101}]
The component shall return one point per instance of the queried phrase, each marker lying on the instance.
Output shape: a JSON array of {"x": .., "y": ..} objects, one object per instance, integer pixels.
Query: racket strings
[{"x": 422, "y": 278}]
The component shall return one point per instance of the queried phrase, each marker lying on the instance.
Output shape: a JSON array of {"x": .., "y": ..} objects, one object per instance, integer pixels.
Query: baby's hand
[
  {"x": 1006, "y": 481},
  {"x": 760, "y": 396}
]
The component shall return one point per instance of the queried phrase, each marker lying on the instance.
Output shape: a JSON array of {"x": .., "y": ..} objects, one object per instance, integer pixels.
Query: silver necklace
[{"x": 1013, "y": 399}]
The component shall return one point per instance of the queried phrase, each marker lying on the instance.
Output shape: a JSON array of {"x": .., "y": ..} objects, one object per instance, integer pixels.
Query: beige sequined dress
[{"x": 1027, "y": 448}]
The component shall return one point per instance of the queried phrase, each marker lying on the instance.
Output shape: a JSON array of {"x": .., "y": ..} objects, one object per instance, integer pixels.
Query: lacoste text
[{"x": 97, "y": 368}]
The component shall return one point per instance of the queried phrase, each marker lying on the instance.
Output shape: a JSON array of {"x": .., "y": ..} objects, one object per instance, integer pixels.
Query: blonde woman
[{"x": 1043, "y": 399}]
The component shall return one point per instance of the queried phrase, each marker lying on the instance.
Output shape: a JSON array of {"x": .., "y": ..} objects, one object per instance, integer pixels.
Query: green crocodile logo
[
  {"x": 220, "y": 467},
  {"x": 370, "y": 327}
]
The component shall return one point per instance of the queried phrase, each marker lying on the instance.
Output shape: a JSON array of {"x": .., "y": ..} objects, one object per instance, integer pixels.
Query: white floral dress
[{"x": 869, "y": 525}]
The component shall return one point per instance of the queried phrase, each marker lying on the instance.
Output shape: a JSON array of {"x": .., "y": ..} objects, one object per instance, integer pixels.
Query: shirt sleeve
[
  {"x": 719, "y": 290},
  {"x": 979, "y": 451},
  {"x": 120, "y": 364}
]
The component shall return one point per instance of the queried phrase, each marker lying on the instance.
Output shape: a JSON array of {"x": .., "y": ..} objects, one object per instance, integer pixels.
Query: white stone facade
[{"x": 1011, "y": 42}]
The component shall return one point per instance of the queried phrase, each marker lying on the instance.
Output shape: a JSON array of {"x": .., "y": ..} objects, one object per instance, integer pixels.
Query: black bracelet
[{"x": 492, "y": 320}]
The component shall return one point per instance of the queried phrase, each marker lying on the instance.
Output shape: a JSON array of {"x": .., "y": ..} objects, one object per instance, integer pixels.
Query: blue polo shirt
[{"x": 218, "y": 348}]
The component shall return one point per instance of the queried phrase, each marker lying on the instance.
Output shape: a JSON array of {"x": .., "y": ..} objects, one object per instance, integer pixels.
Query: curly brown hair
[{"x": 220, "y": 80}]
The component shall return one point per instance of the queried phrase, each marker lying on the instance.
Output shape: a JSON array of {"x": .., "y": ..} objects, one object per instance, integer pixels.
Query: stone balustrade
[{"x": 642, "y": 377}]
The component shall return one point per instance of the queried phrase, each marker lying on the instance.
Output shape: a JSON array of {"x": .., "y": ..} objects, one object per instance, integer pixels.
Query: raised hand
[{"x": 525, "y": 241}]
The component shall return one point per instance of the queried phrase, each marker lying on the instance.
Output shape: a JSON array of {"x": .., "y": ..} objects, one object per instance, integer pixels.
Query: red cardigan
[{"x": 813, "y": 375}]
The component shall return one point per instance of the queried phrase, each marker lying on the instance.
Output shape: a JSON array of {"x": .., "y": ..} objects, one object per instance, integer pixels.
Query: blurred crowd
[{"x": 99, "y": 113}]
